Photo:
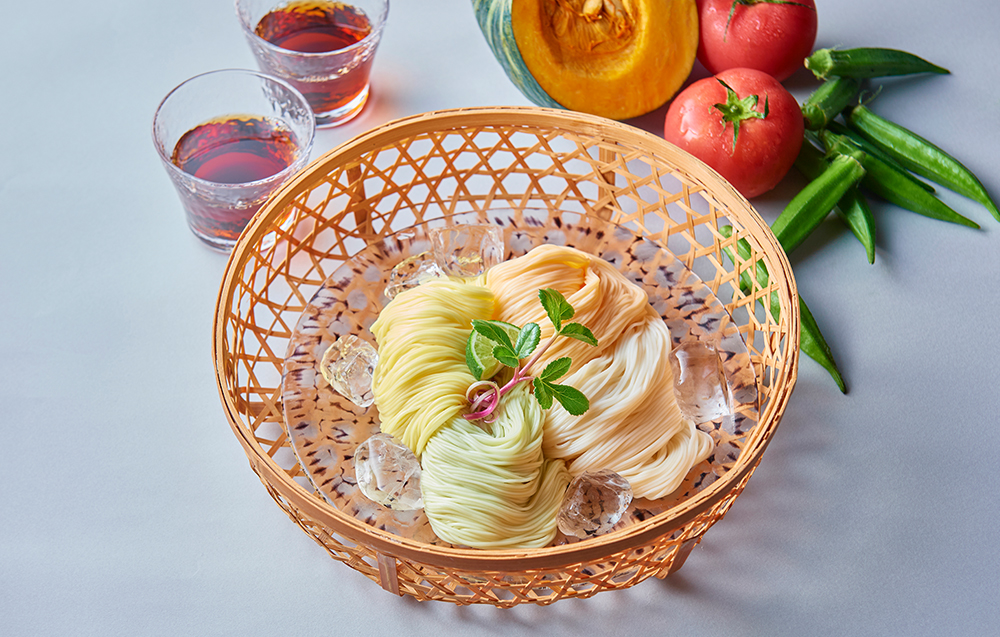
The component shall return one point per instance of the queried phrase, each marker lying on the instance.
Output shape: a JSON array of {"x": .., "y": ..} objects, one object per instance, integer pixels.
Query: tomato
[
  {"x": 768, "y": 35},
  {"x": 765, "y": 146}
]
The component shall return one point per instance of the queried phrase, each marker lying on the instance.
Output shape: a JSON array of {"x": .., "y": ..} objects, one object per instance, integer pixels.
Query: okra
[
  {"x": 852, "y": 208},
  {"x": 888, "y": 183},
  {"x": 812, "y": 343},
  {"x": 919, "y": 156},
  {"x": 877, "y": 151},
  {"x": 811, "y": 340},
  {"x": 760, "y": 272},
  {"x": 806, "y": 210},
  {"x": 867, "y": 62},
  {"x": 828, "y": 101},
  {"x": 810, "y": 160}
]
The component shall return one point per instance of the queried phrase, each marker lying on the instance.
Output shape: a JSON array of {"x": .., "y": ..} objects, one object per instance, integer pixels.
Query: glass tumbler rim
[
  {"x": 304, "y": 150},
  {"x": 376, "y": 32}
]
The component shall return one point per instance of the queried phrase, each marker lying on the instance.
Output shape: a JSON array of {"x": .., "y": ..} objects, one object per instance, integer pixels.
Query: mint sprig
[{"x": 485, "y": 395}]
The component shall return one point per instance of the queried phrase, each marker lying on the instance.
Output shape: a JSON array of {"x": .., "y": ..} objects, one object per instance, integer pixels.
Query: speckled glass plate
[{"x": 325, "y": 428}]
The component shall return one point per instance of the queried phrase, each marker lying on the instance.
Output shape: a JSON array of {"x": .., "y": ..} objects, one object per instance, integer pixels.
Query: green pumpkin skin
[{"x": 494, "y": 21}]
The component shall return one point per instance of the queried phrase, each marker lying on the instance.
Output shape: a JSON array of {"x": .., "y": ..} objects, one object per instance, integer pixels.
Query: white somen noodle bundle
[
  {"x": 633, "y": 426},
  {"x": 604, "y": 300}
]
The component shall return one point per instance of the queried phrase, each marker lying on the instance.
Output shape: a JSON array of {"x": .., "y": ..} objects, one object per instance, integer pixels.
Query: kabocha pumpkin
[{"x": 613, "y": 58}]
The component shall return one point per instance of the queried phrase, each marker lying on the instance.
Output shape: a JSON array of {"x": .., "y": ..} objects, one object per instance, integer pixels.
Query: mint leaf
[
  {"x": 571, "y": 398},
  {"x": 527, "y": 340},
  {"x": 556, "y": 369},
  {"x": 542, "y": 393},
  {"x": 506, "y": 356},
  {"x": 579, "y": 332},
  {"x": 556, "y": 306},
  {"x": 493, "y": 331}
]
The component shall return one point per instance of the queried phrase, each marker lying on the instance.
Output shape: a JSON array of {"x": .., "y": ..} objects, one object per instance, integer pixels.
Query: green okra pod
[
  {"x": 810, "y": 161},
  {"x": 828, "y": 101},
  {"x": 872, "y": 149},
  {"x": 806, "y": 210},
  {"x": 852, "y": 208},
  {"x": 867, "y": 62},
  {"x": 919, "y": 156},
  {"x": 811, "y": 340},
  {"x": 812, "y": 343},
  {"x": 760, "y": 272},
  {"x": 888, "y": 183}
]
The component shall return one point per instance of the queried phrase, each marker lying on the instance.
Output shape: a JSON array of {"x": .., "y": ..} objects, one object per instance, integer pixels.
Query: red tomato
[
  {"x": 773, "y": 37},
  {"x": 765, "y": 146}
]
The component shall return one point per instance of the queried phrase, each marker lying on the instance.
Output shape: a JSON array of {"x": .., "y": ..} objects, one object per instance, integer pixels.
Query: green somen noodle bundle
[
  {"x": 492, "y": 487},
  {"x": 500, "y": 485}
]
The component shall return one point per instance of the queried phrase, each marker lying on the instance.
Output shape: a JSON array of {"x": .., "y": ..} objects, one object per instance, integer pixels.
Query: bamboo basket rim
[{"x": 552, "y": 556}]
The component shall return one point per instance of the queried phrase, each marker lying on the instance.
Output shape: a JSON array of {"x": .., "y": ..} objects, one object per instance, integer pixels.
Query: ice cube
[
  {"x": 594, "y": 503},
  {"x": 411, "y": 272},
  {"x": 348, "y": 365},
  {"x": 388, "y": 473},
  {"x": 700, "y": 384},
  {"x": 467, "y": 250}
]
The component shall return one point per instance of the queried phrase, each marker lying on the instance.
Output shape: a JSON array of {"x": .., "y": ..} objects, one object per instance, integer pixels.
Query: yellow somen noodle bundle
[
  {"x": 421, "y": 377},
  {"x": 486, "y": 489}
]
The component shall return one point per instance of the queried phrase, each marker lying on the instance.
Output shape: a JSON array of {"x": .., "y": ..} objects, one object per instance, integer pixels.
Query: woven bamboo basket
[{"x": 470, "y": 161}]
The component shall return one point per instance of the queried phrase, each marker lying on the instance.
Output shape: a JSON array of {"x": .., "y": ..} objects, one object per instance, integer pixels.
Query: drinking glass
[
  {"x": 228, "y": 139},
  {"x": 323, "y": 48}
]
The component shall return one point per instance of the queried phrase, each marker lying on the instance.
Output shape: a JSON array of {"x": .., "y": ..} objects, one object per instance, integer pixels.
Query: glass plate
[{"x": 325, "y": 428}]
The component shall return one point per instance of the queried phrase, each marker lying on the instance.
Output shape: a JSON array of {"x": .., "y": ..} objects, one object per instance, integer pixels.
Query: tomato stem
[{"x": 736, "y": 110}]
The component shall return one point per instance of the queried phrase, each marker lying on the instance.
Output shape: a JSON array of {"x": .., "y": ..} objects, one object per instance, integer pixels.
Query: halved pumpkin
[{"x": 614, "y": 58}]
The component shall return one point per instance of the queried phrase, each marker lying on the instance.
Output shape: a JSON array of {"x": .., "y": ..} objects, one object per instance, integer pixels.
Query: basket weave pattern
[{"x": 451, "y": 162}]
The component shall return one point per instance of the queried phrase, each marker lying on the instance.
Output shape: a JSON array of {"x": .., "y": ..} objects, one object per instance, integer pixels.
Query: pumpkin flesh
[{"x": 614, "y": 58}]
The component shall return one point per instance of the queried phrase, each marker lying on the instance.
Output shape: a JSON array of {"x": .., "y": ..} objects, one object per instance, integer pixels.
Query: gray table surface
[{"x": 127, "y": 506}]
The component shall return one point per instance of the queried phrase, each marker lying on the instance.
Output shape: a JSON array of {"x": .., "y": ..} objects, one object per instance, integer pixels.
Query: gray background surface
[{"x": 127, "y": 506}]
